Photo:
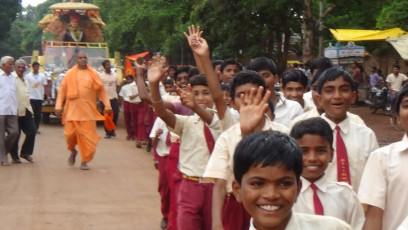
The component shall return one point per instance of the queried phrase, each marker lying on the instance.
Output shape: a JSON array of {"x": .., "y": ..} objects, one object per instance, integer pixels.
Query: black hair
[
  {"x": 398, "y": 99},
  {"x": 321, "y": 64},
  {"x": 215, "y": 63},
  {"x": 172, "y": 67},
  {"x": 230, "y": 61},
  {"x": 180, "y": 70},
  {"x": 193, "y": 71},
  {"x": 263, "y": 63},
  {"x": 396, "y": 66},
  {"x": 105, "y": 62},
  {"x": 245, "y": 77},
  {"x": 168, "y": 81},
  {"x": 294, "y": 75},
  {"x": 198, "y": 80},
  {"x": 226, "y": 87},
  {"x": 332, "y": 74},
  {"x": 267, "y": 148},
  {"x": 35, "y": 63},
  {"x": 295, "y": 65},
  {"x": 129, "y": 76},
  {"x": 316, "y": 126}
]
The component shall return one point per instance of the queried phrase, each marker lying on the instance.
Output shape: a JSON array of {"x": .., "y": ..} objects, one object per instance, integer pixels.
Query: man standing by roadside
[
  {"x": 36, "y": 81},
  {"x": 395, "y": 80},
  {"x": 8, "y": 109},
  {"x": 111, "y": 83},
  {"x": 25, "y": 116},
  {"x": 79, "y": 89}
]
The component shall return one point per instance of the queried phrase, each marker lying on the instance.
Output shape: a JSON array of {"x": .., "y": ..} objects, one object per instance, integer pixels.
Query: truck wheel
[{"x": 46, "y": 118}]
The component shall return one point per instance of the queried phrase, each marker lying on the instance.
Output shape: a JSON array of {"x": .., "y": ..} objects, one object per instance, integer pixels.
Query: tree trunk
[{"x": 308, "y": 43}]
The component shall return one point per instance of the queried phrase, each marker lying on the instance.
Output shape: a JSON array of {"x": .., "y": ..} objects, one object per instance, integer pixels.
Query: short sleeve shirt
[{"x": 36, "y": 84}]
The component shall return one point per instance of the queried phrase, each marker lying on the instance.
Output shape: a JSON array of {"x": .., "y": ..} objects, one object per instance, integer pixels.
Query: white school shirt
[
  {"x": 220, "y": 165},
  {"x": 162, "y": 148},
  {"x": 338, "y": 200},
  {"x": 8, "y": 94},
  {"x": 384, "y": 183},
  {"x": 194, "y": 152},
  {"x": 354, "y": 118},
  {"x": 23, "y": 99},
  {"x": 130, "y": 90},
  {"x": 286, "y": 111},
  {"x": 36, "y": 84},
  {"x": 299, "y": 221},
  {"x": 110, "y": 81},
  {"x": 360, "y": 141},
  {"x": 404, "y": 225}
]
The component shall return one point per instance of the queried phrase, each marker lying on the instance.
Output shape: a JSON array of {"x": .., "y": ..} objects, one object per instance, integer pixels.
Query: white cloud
[{"x": 25, "y": 3}]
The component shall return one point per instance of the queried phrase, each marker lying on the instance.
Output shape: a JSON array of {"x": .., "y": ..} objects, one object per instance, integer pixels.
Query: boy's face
[
  {"x": 203, "y": 96},
  {"x": 229, "y": 72},
  {"x": 294, "y": 91},
  {"x": 336, "y": 98},
  {"x": 226, "y": 96},
  {"x": 403, "y": 113},
  {"x": 168, "y": 87},
  {"x": 217, "y": 70},
  {"x": 182, "y": 80},
  {"x": 317, "y": 154},
  {"x": 268, "y": 194},
  {"x": 242, "y": 89},
  {"x": 129, "y": 80},
  {"x": 395, "y": 70},
  {"x": 269, "y": 78}
]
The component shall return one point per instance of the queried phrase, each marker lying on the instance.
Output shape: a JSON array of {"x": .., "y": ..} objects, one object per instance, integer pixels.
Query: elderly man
[
  {"x": 79, "y": 89},
  {"x": 8, "y": 109},
  {"x": 25, "y": 115}
]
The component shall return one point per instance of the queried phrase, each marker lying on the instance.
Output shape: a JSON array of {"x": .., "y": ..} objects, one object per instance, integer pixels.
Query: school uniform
[
  {"x": 338, "y": 200},
  {"x": 220, "y": 166},
  {"x": 359, "y": 142},
  {"x": 286, "y": 111},
  {"x": 404, "y": 225},
  {"x": 194, "y": 195},
  {"x": 384, "y": 183},
  {"x": 161, "y": 152},
  {"x": 125, "y": 93},
  {"x": 300, "y": 221},
  {"x": 354, "y": 118}
]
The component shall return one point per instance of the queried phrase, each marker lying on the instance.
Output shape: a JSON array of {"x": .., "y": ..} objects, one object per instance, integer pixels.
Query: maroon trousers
[
  {"x": 164, "y": 189},
  {"x": 174, "y": 179},
  {"x": 234, "y": 215},
  {"x": 194, "y": 205},
  {"x": 138, "y": 113}
]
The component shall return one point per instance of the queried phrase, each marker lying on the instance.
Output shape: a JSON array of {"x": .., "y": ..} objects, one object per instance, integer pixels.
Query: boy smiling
[{"x": 267, "y": 168}]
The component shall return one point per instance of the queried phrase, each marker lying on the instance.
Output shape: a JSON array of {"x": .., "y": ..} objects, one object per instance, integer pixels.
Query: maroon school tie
[
  {"x": 318, "y": 207},
  {"x": 343, "y": 171},
  {"x": 209, "y": 138},
  {"x": 168, "y": 140}
]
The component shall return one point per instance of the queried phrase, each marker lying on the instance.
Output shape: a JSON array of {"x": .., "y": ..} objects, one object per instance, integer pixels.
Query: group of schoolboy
[{"x": 228, "y": 162}]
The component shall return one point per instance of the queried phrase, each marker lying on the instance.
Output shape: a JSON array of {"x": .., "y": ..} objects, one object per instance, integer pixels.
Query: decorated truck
[{"x": 70, "y": 28}]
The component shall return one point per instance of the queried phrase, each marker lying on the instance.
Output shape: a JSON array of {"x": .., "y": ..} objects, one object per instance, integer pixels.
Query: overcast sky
[{"x": 31, "y": 2}]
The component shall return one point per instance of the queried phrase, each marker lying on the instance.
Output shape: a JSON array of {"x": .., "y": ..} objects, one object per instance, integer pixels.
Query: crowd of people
[{"x": 232, "y": 152}]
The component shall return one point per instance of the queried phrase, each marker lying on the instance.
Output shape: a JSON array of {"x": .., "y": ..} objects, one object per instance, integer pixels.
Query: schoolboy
[
  {"x": 294, "y": 85},
  {"x": 216, "y": 64},
  {"x": 384, "y": 187},
  {"x": 285, "y": 110},
  {"x": 337, "y": 199},
  {"x": 267, "y": 168},
  {"x": 198, "y": 134},
  {"x": 229, "y": 68},
  {"x": 124, "y": 97},
  {"x": 317, "y": 110},
  {"x": 353, "y": 143},
  {"x": 158, "y": 134}
]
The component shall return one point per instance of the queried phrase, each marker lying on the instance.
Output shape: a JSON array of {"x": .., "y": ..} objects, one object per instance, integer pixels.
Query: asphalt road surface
[{"x": 119, "y": 192}]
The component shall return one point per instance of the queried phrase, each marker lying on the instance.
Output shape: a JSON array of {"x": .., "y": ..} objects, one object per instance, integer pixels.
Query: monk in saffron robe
[{"x": 78, "y": 90}]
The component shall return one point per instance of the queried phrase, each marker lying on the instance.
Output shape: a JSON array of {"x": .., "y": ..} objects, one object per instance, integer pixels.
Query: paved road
[{"x": 119, "y": 192}]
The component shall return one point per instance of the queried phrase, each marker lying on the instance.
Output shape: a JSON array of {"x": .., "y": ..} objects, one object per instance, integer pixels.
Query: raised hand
[
  {"x": 139, "y": 67},
  {"x": 187, "y": 97},
  {"x": 197, "y": 44},
  {"x": 252, "y": 109},
  {"x": 156, "y": 70}
]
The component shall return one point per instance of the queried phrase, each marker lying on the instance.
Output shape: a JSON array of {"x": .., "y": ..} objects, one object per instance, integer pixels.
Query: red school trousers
[
  {"x": 194, "y": 205},
  {"x": 174, "y": 179},
  {"x": 127, "y": 114},
  {"x": 164, "y": 189},
  {"x": 138, "y": 111},
  {"x": 234, "y": 215}
]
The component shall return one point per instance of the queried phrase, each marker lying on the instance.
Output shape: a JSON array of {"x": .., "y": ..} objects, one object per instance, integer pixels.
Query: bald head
[{"x": 82, "y": 60}]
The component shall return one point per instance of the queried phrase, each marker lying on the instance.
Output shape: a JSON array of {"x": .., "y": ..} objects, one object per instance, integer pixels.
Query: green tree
[{"x": 394, "y": 14}]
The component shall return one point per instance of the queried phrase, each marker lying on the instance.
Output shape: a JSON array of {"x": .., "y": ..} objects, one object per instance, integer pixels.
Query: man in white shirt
[
  {"x": 25, "y": 116},
  {"x": 8, "y": 109},
  {"x": 111, "y": 83},
  {"x": 36, "y": 81}
]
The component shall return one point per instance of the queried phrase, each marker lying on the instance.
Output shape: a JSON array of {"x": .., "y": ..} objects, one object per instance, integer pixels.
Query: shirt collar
[
  {"x": 402, "y": 145},
  {"x": 321, "y": 184},
  {"x": 344, "y": 125}
]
